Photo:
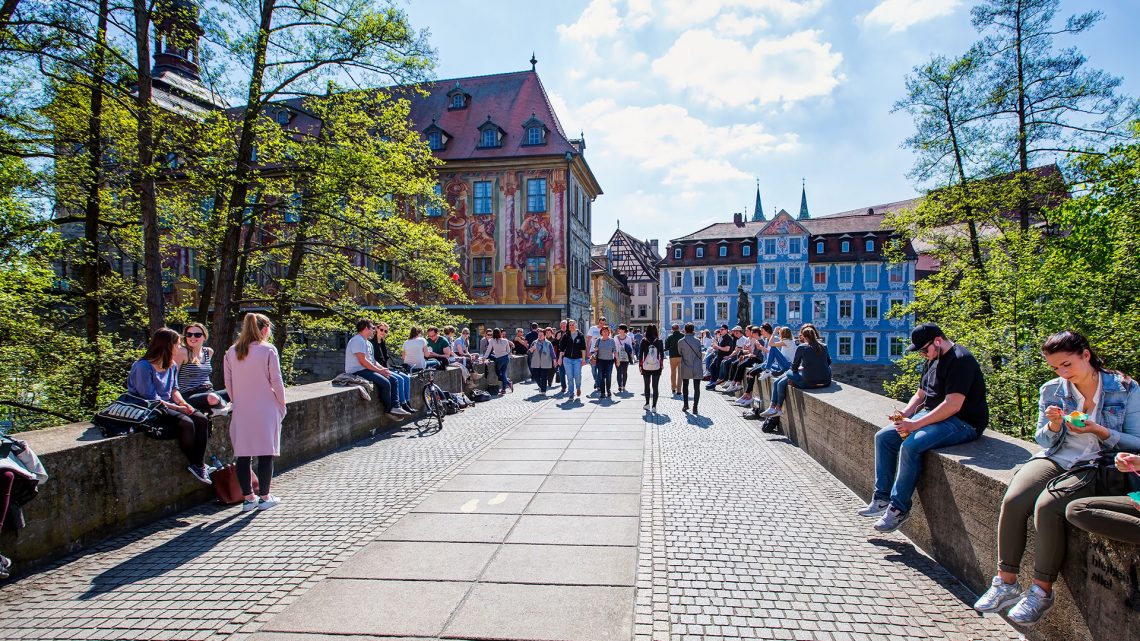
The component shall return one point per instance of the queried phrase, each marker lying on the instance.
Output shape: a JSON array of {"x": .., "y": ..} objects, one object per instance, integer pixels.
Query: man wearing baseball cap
[{"x": 949, "y": 408}]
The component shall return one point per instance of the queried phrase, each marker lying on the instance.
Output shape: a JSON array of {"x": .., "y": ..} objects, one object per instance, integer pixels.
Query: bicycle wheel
[{"x": 433, "y": 405}]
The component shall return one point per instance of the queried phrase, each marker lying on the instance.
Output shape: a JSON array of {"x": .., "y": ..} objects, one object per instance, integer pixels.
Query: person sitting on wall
[
  {"x": 1113, "y": 517},
  {"x": 732, "y": 347},
  {"x": 721, "y": 349},
  {"x": 948, "y": 408},
  {"x": 360, "y": 360},
  {"x": 1110, "y": 404},
  {"x": 519, "y": 344},
  {"x": 195, "y": 366},
  {"x": 532, "y": 335},
  {"x": 439, "y": 348},
  {"x": 416, "y": 352},
  {"x": 384, "y": 357},
  {"x": 761, "y": 346}
]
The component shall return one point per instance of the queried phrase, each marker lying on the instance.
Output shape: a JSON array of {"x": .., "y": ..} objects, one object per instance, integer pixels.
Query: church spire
[
  {"x": 758, "y": 210},
  {"x": 804, "y": 214}
]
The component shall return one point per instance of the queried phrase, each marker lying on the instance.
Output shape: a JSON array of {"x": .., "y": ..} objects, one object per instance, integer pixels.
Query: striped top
[{"x": 192, "y": 376}]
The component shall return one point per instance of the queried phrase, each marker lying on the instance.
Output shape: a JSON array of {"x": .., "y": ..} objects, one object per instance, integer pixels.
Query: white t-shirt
[
  {"x": 594, "y": 333},
  {"x": 788, "y": 349},
  {"x": 414, "y": 352},
  {"x": 628, "y": 340},
  {"x": 357, "y": 345}
]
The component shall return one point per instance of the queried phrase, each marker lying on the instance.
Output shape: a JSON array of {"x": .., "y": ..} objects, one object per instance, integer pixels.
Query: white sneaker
[
  {"x": 221, "y": 410},
  {"x": 771, "y": 411},
  {"x": 1031, "y": 607},
  {"x": 743, "y": 401},
  {"x": 891, "y": 519},
  {"x": 646, "y": 407},
  {"x": 249, "y": 506},
  {"x": 999, "y": 596},
  {"x": 399, "y": 411},
  {"x": 267, "y": 503},
  {"x": 874, "y": 508},
  {"x": 765, "y": 375}
]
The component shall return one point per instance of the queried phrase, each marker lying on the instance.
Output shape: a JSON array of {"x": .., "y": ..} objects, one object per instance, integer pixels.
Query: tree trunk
[
  {"x": 144, "y": 182},
  {"x": 224, "y": 312},
  {"x": 1022, "y": 133},
  {"x": 89, "y": 386},
  {"x": 9, "y": 7},
  {"x": 292, "y": 272}
]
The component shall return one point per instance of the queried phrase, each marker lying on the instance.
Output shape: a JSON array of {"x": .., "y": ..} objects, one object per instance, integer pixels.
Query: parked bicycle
[{"x": 433, "y": 396}]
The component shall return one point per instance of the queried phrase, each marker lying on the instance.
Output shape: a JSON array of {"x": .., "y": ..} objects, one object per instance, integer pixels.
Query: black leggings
[
  {"x": 622, "y": 374},
  {"x": 264, "y": 474},
  {"x": 652, "y": 378},
  {"x": 197, "y": 399},
  {"x": 193, "y": 434},
  {"x": 696, "y": 391}
]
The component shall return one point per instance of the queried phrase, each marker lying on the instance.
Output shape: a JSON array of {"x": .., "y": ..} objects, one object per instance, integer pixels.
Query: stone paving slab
[
  {"x": 354, "y": 606},
  {"x": 563, "y": 565},
  {"x": 592, "y": 484},
  {"x": 418, "y": 560},
  {"x": 510, "y": 467},
  {"x": 582, "y": 454},
  {"x": 565, "y": 504},
  {"x": 495, "y": 483},
  {"x": 527, "y": 454},
  {"x": 575, "y": 530},
  {"x": 598, "y": 468},
  {"x": 475, "y": 502},
  {"x": 463, "y": 528},
  {"x": 554, "y": 613}
]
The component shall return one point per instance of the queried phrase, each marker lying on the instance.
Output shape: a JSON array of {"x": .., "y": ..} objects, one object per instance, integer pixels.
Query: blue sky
[{"x": 685, "y": 103}]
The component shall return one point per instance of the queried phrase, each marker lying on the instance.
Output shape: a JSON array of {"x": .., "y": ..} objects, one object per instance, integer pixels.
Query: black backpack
[{"x": 772, "y": 425}]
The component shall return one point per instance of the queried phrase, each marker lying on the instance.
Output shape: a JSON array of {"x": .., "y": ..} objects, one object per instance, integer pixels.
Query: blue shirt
[{"x": 147, "y": 382}]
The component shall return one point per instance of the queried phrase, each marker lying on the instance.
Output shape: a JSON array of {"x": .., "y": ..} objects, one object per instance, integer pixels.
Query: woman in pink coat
[{"x": 257, "y": 394}]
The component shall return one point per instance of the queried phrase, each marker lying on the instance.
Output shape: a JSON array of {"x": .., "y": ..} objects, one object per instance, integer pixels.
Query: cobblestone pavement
[{"x": 742, "y": 535}]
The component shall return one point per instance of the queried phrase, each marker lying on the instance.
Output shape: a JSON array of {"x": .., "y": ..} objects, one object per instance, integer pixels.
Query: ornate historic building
[
  {"x": 638, "y": 259},
  {"x": 519, "y": 194},
  {"x": 830, "y": 271}
]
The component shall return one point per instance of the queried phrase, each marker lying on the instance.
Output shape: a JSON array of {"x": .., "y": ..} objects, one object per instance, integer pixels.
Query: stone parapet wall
[
  {"x": 102, "y": 487},
  {"x": 957, "y": 506},
  {"x": 865, "y": 376}
]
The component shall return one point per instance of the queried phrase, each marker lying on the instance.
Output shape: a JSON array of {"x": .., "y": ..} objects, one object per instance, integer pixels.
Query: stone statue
[{"x": 743, "y": 307}]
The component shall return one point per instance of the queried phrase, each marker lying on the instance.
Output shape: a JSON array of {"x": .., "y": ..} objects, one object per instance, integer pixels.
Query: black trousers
[
  {"x": 652, "y": 379},
  {"x": 696, "y": 391},
  {"x": 622, "y": 374},
  {"x": 264, "y": 474},
  {"x": 193, "y": 434}
]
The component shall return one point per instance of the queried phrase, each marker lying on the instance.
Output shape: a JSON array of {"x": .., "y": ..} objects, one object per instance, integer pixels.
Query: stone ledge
[
  {"x": 99, "y": 487},
  {"x": 957, "y": 507}
]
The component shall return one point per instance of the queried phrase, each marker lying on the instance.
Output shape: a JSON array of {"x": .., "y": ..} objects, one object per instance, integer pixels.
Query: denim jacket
[{"x": 1119, "y": 412}]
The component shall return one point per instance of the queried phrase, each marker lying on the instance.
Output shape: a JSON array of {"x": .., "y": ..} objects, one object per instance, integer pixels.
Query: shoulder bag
[
  {"x": 1099, "y": 473},
  {"x": 128, "y": 414}
]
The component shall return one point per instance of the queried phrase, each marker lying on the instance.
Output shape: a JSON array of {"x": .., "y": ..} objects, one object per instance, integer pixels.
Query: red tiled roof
[{"x": 508, "y": 98}]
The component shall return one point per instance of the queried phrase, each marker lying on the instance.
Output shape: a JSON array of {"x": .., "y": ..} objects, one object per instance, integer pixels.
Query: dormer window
[
  {"x": 535, "y": 131},
  {"x": 437, "y": 138},
  {"x": 490, "y": 135},
  {"x": 457, "y": 98},
  {"x": 283, "y": 117}
]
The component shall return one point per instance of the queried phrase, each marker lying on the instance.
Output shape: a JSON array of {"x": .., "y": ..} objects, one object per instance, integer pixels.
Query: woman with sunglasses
[
  {"x": 194, "y": 369},
  {"x": 154, "y": 378}
]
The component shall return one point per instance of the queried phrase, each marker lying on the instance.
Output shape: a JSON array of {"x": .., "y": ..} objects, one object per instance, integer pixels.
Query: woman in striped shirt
[{"x": 194, "y": 370}]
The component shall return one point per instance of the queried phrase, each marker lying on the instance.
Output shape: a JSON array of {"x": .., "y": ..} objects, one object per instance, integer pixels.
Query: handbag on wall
[
  {"x": 1100, "y": 473},
  {"x": 127, "y": 414}
]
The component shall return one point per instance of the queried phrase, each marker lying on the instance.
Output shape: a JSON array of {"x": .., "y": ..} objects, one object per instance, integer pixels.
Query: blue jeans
[
  {"x": 403, "y": 386},
  {"x": 605, "y": 375},
  {"x": 501, "y": 365},
  {"x": 709, "y": 356},
  {"x": 573, "y": 377},
  {"x": 384, "y": 387},
  {"x": 597, "y": 380},
  {"x": 776, "y": 361},
  {"x": 431, "y": 364},
  {"x": 780, "y": 387},
  {"x": 562, "y": 376},
  {"x": 898, "y": 462}
]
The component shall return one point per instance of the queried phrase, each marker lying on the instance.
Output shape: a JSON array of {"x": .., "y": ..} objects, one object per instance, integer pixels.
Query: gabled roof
[
  {"x": 783, "y": 224},
  {"x": 642, "y": 252},
  {"x": 857, "y": 220},
  {"x": 507, "y": 99}
]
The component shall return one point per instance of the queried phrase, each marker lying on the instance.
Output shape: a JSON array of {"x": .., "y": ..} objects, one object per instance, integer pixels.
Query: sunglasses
[
  {"x": 382, "y": 331},
  {"x": 194, "y": 334}
]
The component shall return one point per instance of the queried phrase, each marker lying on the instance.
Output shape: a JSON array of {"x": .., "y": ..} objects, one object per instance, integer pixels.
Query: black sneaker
[
  {"x": 201, "y": 473},
  {"x": 407, "y": 408}
]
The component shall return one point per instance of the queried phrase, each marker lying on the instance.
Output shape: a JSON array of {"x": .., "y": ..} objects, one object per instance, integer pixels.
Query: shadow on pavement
[
  {"x": 167, "y": 557},
  {"x": 906, "y": 554},
  {"x": 702, "y": 422}
]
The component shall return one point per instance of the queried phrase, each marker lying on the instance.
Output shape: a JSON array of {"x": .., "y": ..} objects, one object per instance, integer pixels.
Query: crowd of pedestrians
[{"x": 1088, "y": 418}]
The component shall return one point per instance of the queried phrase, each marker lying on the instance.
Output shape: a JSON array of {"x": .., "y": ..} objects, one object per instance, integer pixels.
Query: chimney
[
  {"x": 738, "y": 219},
  {"x": 653, "y": 244}
]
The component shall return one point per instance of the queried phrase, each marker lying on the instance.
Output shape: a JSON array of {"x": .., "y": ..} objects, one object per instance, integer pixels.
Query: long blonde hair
[
  {"x": 191, "y": 357},
  {"x": 251, "y": 327}
]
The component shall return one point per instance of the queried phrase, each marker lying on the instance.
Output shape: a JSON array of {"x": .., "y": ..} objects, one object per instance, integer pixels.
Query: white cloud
[
  {"x": 900, "y": 15},
  {"x": 667, "y": 138},
  {"x": 689, "y": 13},
  {"x": 598, "y": 20},
  {"x": 724, "y": 72},
  {"x": 735, "y": 24}
]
